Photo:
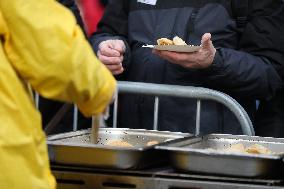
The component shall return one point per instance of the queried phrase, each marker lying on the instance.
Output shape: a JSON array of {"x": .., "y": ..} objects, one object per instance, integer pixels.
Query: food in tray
[
  {"x": 236, "y": 148},
  {"x": 121, "y": 143},
  {"x": 258, "y": 149},
  {"x": 176, "y": 41},
  {"x": 118, "y": 143},
  {"x": 253, "y": 149},
  {"x": 151, "y": 143}
]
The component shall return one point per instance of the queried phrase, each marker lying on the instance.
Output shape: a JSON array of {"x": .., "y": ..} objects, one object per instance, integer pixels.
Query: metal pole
[
  {"x": 37, "y": 100},
  {"x": 95, "y": 129},
  {"x": 75, "y": 118},
  {"x": 114, "y": 122},
  {"x": 197, "y": 120},
  {"x": 156, "y": 112}
]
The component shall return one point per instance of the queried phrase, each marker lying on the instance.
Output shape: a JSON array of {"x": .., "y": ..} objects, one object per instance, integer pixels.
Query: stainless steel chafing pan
[
  {"x": 75, "y": 148},
  {"x": 206, "y": 155}
]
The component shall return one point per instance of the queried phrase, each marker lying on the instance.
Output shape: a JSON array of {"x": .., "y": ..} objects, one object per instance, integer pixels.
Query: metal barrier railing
[
  {"x": 159, "y": 90},
  {"x": 198, "y": 93}
]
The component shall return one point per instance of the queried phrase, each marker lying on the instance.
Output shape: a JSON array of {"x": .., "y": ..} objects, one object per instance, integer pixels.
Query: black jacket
[
  {"x": 270, "y": 117},
  {"x": 247, "y": 64}
]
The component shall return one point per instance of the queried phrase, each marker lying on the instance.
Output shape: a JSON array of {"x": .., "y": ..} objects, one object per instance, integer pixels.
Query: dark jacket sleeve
[
  {"x": 255, "y": 69},
  {"x": 113, "y": 25}
]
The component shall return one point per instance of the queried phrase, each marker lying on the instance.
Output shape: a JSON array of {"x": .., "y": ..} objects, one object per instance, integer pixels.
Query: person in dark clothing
[
  {"x": 270, "y": 114},
  {"x": 270, "y": 117},
  {"x": 241, "y": 55}
]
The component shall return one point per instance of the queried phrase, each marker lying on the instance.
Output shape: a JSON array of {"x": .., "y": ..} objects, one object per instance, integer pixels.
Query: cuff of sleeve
[
  {"x": 96, "y": 43},
  {"x": 102, "y": 98},
  {"x": 127, "y": 54},
  {"x": 216, "y": 65}
]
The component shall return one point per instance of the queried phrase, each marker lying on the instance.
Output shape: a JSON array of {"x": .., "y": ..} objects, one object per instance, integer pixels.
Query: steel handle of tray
[{"x": 198, "y": 93}]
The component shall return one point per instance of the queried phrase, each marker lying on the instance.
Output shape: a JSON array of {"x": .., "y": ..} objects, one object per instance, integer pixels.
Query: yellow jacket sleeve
[{"x": 49, "y": 51}]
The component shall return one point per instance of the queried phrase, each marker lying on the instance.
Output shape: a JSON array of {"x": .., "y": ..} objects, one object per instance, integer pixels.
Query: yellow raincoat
[{"x": 41, "y": 45}]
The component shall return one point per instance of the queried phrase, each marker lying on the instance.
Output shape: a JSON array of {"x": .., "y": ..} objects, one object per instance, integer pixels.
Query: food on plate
[
  {"x": 253, "y": 149},
  {"x": 176, "y": 41},
  {"x": 165, "y": 41},
  {"x": 118, "y": 143},
  {"x": 151, "y": 143}
]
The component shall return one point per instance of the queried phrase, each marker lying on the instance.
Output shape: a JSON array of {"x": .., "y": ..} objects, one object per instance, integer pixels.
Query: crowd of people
[
  {"x": 241, "y": 54},
  {"x": 44, "y": 48}
]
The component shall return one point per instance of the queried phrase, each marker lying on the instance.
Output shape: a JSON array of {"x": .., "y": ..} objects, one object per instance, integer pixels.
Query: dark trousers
[{"x": 270, "y": 117}]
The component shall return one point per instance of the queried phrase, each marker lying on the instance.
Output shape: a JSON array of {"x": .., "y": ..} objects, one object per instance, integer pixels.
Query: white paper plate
[{"x": 174, "y": 48}]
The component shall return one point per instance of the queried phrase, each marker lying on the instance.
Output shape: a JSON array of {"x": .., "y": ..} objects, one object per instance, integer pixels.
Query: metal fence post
[
  {"x": 156, "y": 113},
  {"x": 75, "y": 118}
]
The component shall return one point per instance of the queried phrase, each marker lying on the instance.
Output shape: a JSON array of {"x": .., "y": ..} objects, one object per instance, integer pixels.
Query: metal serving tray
[
  {"x": 206, "y": 155},
  {"x": 75, "y": 148}
]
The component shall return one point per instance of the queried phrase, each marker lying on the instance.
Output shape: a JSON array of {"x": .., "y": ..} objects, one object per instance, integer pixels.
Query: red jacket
[{"x": 92, "y": 13}]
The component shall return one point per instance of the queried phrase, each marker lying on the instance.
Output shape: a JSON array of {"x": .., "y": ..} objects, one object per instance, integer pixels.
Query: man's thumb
[{"x": 206, "y": 40}]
